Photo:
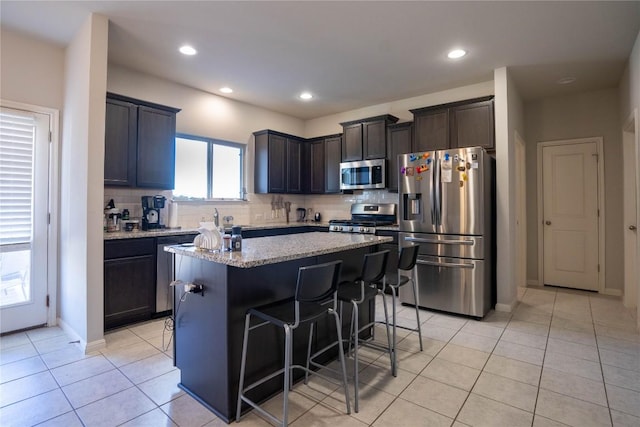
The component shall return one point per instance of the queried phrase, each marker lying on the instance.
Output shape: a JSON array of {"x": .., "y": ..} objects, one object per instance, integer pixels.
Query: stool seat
[{"x": 283, "y": 312}]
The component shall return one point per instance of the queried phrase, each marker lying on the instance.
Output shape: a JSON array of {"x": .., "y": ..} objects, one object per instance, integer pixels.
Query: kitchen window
[{"x": 208, "y": 169}]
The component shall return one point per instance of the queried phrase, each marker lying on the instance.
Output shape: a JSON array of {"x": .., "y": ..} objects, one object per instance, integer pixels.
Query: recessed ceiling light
[
  {"x": 566, "y": 80},
  {"x": 188, "y": 50},
  {"x": 226, "y": 89},
  {"x": 456, "y": 53},
  {"x": 306, "y": 96}
]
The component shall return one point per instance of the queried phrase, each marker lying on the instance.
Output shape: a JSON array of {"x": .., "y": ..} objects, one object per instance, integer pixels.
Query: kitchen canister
[
  {"x": 173, "y": 215},
  {"x": 236, "y": 238}
]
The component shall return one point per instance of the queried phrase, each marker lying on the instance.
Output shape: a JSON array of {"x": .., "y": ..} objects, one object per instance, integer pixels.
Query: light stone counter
[{"x": 269, "y": 250}]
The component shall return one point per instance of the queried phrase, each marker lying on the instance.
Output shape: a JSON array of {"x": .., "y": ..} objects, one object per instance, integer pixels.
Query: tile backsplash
[{"x": 257, "y": 210}]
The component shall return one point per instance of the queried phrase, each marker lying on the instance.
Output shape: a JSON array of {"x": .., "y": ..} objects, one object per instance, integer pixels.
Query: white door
[
  {"x": 630, "y": 215},
  {"x": 570, "y": 215},
  {"x": 24, "y": 207}
]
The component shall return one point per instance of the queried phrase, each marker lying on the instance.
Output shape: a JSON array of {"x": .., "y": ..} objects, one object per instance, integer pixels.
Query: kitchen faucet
[{"x": 215, "y": 217}]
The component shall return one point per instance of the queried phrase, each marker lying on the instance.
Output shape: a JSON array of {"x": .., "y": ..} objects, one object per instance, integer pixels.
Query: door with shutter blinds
[{"x": 24, "y": 207}]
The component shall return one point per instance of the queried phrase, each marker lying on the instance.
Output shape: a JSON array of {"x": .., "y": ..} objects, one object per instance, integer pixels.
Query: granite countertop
[
  {"x": 269, "y": 250},
  {"x": 180, "y": 231}
]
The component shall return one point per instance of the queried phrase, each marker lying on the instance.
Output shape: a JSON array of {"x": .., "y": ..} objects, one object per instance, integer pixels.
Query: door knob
[
  {"x": 633, "y": 228},
  {"x": 548, "y": 222}
]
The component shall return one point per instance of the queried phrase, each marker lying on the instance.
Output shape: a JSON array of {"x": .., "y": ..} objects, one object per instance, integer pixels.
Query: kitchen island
[{"x": 209, "y": 325}]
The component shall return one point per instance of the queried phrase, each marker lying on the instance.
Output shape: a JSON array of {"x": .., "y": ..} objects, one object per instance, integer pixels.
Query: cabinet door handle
[{"x": 633, "y": 228}]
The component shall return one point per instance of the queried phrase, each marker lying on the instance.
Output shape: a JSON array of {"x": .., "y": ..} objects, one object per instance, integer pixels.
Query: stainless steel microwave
[{"x": 363, "y": 174}]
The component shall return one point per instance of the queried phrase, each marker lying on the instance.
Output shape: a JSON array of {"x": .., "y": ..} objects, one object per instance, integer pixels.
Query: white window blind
[{"x": 17, "y": 138}]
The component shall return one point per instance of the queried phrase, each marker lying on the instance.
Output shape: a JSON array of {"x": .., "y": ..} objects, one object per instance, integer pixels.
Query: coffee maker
[{"x": 151, "y": 206}]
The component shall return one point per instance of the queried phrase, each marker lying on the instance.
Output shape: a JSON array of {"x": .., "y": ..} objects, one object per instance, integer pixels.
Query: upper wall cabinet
[
  {"x": 366, "y": 138},
  {"x": 460, "y": 124},
  {"x": 139, "y": 143},
  {"x": 399, "y": 137},
  {"x": 279, "y": 163}
]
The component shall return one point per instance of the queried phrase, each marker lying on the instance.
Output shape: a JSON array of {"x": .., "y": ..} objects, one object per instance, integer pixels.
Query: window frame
[{"x": 211, "y": 142}]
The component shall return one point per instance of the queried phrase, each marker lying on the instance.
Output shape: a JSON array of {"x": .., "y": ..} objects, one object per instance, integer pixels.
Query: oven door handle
[
  {"x": 467, "y": 242},
  {"x": 446, "y": 264}
]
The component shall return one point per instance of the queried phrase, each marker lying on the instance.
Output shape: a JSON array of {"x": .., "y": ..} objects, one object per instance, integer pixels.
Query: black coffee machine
[{"x": 151, "y": 206}]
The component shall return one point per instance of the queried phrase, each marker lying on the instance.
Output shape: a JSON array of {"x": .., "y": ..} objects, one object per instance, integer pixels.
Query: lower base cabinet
[{"x": 129, "y": 281}]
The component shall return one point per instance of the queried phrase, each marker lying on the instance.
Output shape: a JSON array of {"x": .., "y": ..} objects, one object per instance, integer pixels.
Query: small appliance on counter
[
  {"x": 112, "y": 217},
  {"x": 151, "y": 206},
  {"x": 300, "y": 214}
]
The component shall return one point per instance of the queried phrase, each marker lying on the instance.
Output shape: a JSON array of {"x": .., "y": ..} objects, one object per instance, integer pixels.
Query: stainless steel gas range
[{"x": 365, "y": 217}]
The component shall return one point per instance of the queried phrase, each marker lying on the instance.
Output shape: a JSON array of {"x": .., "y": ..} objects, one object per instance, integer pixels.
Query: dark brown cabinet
[
  {"x": 332, "y": 158},
  {"x": 317, "y": 169},
  {"x": 365, "y": 139},
  {"x": 399, "y": 137},
  {"x": 460, "y": 124},
  {"x": 139, "y": 143},
  {"x": 129, "y": 281},
  {"x": 279, "y": 163}
]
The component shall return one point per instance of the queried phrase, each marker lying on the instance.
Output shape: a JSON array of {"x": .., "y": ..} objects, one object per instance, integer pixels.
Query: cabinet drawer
[{"x": 129, "y": 247}]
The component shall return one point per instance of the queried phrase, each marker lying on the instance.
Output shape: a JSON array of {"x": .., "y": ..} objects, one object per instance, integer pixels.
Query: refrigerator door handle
[
  {"x": 438, "y": 190},
  {"x": 446, "y": 264},
  {"x": 432, "y": 196},
  {"x": 440, "y": 242}
]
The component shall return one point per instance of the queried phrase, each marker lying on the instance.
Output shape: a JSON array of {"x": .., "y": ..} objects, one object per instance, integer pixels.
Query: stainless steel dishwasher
[{"x": 165, "y": 271}]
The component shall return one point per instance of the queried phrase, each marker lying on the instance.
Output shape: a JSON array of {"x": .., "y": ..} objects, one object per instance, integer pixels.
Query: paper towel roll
[{"x": 173, "y": 215}]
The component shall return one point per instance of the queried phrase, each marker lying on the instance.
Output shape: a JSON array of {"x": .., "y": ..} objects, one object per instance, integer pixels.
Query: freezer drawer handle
[
  {"x": 440, "y": 242},
  {"x": 445, "y": 264}
]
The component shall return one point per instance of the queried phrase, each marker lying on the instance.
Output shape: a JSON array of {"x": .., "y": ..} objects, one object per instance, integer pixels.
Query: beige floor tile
[
  {"x": 620, "y": 360},
  {"x": 570, "y": 411},
  {"x": 247, "y": 420},
  {"x": 620, "y": 419},
  {"x": 506, "y": 390},
  {"x": 21, "y": 368},
  {"x": 436, "y": 396},
  {"x": 573, "y": 365},
  {"x": 464, "y": 356},
  {"x": 152, "y": 418},
  {"x": 621, "y": 377},
  {"x": 622, "y": 346},
  {"x": 585, "y": 338},
  {"x": 571, "y": 324},
  {"x": 58, "y": 342},
  {"x": 403, "y": 413},
  {"x": 120, "y": 338},
  {"x": 70, "y": 419},
  {"x": 24, "y": 388},
  {"x": 496, "y": 319},
  {"x": 436, "y": 332},
  {"x": 18, "y": 352},
  {"x": 148, "y": 368},
  {"x": 483, "y": 329},
  {"x": 574, "y": 386},
  {"x": 35, "y": 410},
  {"x": 580, "y": 351},
  {"x": 514, "y": 369},
  {"x": 477, "y": 342},
  {"x": 121, "y": 356},
  {"x": 415, "y": 362},
  {"x": 533, "y": 315},
  {"x": 89, "y": 390},
  {"x": 372, "y": 403},
  {"x": 378, "y": 375},
  {"x": 528, "y": 327},
  {"x": 14, "y": 340},
  {"x": 522, "y": 338},
  {"x": 298, "y": 404},
  {"x": 622, "y": 334},
  {"x": 480, "y": 411},
  {"x": 149, "y": 329},
  {"x": 451, "y": 373},
  {"x": 323, "y": 416},
  {"x": 81, "y": 369},
  {"x": 116, "y": 409},
  {"x": 65, "y": 356},
  {"x": 519, "y": 352},
  {"x": 624, "y": 400},
  {"x": 539, "y": 421},
  {"x": 318, "y": 388},
  {"x": 164, "y": 388},
  {"x": 447, "y": 321},
  {"x": 430, "y": 347},
  {"x": 45, "y": 333}
]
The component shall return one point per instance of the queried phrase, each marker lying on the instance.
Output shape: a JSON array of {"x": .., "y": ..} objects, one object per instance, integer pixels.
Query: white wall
[
  {"x": 629, "y": 89},
  {"x": 579, "y": 116},
  {"x": 32, "y": 70},
  {"x": 82, "y": 178},
  {"x": 331, "y": 124},
  {"x": 509, "y": 120}
]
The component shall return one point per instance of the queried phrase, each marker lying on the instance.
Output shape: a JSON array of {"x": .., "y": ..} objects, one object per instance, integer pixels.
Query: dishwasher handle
[
  {"x": 467, "y": 242},
  {"x": 446, "y": 264}
]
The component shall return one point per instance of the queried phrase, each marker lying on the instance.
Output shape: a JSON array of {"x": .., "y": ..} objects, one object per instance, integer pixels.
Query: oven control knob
[
  {"x": 364, "y": 230},
  {"x": 350, "y": 228},
  {"x": 339, "y": 228}
]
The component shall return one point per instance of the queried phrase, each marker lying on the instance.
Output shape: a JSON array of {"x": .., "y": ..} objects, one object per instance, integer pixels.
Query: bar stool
[
  {"x": 355, "y": 293},
  {"x": 315, "y": 296},
  {"x": 406, "y": 262}
]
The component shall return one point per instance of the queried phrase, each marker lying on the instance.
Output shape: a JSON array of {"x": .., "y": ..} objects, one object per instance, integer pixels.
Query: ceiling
[{"x": 351, "y": 54}]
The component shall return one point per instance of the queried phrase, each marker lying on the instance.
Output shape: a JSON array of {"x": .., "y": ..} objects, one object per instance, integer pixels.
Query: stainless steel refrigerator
[{"x": 447, "y": 207}]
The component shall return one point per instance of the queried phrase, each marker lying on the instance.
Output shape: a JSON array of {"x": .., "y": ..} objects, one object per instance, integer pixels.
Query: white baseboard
[
  {"x": 613, "y": 292},
  {"x": 507, "y": 308},
  {"x": 86, "y": 347}
]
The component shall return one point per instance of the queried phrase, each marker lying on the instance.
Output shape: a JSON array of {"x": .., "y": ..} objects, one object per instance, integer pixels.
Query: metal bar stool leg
[
  {"x": 342, "y": 361},
  {"x": 306, "y": 374},
  {"x": 415, "y": 298},
  {"x": 245, "y": 339},
  {"x": 394, "y": 366},
  {"x": 354, "y": 321},
  {"x": 287, "y": 375},
  {"x": 386, "y": 323}
]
